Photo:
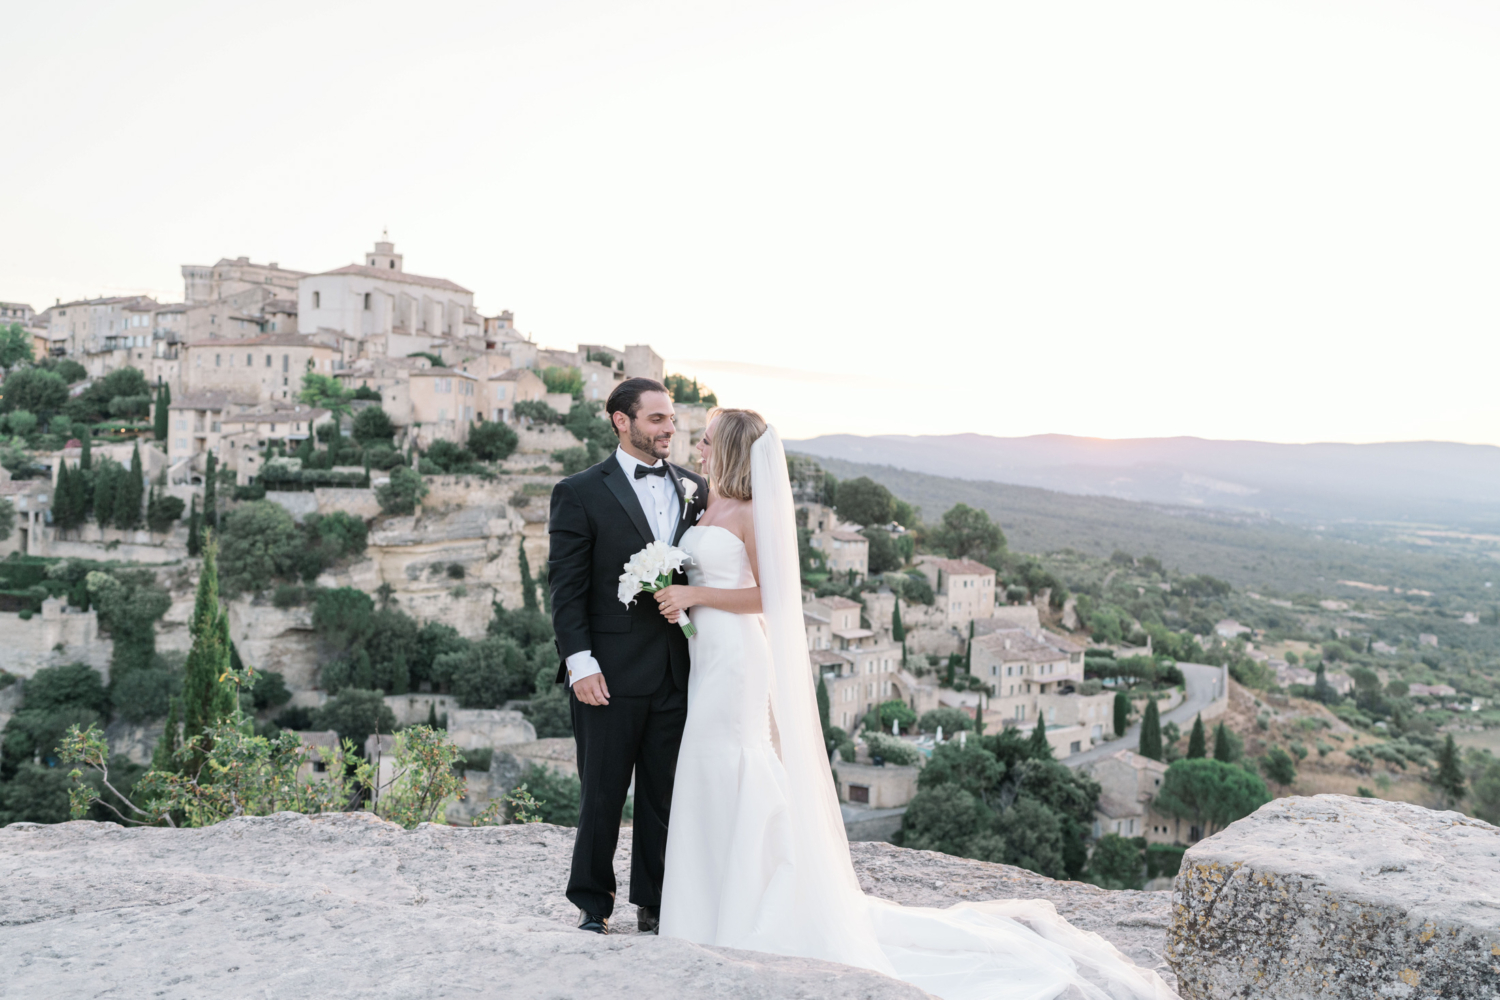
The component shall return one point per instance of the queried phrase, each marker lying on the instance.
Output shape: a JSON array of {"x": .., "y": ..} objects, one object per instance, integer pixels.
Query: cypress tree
[
  {"x": 432, "y": 719},
  {"x": 1222, "y": 750},
  {"x": 86, "y": 460},
  {"x": 528, "y": 586},
  {"x": 1122, "y": 713},
  {"x": 1322, "y": 690},
  {"x": 62, "y": 502},
  {"x": 105, "y": 489},
  {"x": 166, "y": 747},
  {"x": 129, "y": 493},
  {"x": 1198, "y": 742},
  {"x": 823, "y": 705},
  {"x": 1150, "y": 745},
  {"x": 969, "y": 650},
  {"x": 160, "y": 430},
  {"x": 211, "y": 492},
  {"x": 1037, "y": 746},
  {"x": 1450, "y": 776},
  {"x": 898, "y": 632},
  {"x": 167, "y": 393},
  {"x": 195, "y": 528},
  {"x": 400, "y": 674},
  {"x": 207, "y": 700}
]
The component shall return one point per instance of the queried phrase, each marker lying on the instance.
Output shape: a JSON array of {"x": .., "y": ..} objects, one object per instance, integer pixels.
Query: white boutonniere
[{"x": 689, "y": 490}]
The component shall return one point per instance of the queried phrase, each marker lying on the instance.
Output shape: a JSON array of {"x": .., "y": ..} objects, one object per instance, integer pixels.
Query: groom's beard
[{"x": 646, "y": 444}]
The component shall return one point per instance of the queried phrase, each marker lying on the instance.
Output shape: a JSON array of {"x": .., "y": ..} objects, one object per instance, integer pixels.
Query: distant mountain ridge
[{"x": 1432, "y": 481}]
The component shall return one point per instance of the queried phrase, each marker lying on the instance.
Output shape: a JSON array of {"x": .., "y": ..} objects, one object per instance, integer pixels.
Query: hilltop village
[{"x": 370, "y": 459}]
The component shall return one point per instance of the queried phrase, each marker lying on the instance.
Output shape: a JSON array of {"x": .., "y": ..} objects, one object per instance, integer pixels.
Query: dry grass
[{"x": 1308, "y": 722}]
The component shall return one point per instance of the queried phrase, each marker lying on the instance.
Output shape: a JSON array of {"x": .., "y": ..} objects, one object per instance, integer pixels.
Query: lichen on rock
[{"x": 1333, "y": 896}]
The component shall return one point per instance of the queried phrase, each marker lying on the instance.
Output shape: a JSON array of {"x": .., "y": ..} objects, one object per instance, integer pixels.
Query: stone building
[
  {"x": 97, "y": 326},
  {"x": 1128, "y": 784},
  {"x": 860, "y": 666},
  {"x": 32, "y": 499},
  {"x": 839, "y": 547},
  {"x": 267, "y": 367},
  {"x": 389, "y": 311},
  {"x": 245, "y": 435},
  {"x": 444, "y": 403},
  {"x": 204, "y": 283},
  {"x": 502, "y": 391},
  {"x": 965, "y": 589},
  {"x": 16, "y": 312},
  {"x": 195, "y": 427}
]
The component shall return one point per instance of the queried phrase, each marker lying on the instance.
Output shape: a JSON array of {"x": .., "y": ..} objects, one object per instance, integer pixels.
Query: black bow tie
[{"x": 642, "y": 471}]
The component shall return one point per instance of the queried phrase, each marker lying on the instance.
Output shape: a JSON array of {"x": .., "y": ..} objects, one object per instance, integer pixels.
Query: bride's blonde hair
[{"x": 729, "y": 461}]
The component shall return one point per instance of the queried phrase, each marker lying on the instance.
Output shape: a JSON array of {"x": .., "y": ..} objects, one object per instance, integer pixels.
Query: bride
[{"x": 757, "y": 857}]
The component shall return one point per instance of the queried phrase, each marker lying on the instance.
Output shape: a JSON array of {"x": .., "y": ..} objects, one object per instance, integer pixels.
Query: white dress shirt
[{"x": 663, "y": 509}]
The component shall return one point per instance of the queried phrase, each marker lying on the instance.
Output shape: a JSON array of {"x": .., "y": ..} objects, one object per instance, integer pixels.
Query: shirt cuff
[{"x": 582, "y": 664}]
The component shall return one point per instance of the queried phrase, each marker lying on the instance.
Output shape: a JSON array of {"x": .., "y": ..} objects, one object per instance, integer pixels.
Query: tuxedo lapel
[
  {"x": 614, "y": 478},
  {"x": 686, "y": 516}
]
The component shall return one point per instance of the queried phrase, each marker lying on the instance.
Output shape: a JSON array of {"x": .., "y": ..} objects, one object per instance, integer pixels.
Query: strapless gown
[{"x": 731, "y": 867}]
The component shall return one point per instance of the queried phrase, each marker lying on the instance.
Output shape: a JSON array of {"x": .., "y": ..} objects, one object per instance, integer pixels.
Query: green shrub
[
  {"x": 951, "y": 720},
  {"x": 493, "y": 441},
  {"x": 1116, "y": 863},
  {"x": 288, "y": 595},
  {"x": 143, "y": 695},
  {"x": 891, "y": 750},
  {"x": 557, "y": 794},
  {"x": 402, "y": 494}
]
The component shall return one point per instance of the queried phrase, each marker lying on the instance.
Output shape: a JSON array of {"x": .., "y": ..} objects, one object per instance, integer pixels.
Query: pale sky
[{"x": 1269, "y": 220}]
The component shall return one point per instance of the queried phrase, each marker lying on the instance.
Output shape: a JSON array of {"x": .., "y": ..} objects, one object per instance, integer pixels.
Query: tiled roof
[
  {"x": 1015, "y": 646},
  {"x": 443, "y": 372},
  {"x": 827, "y": 658},
  {"x": 834, "y": 602},
  {"x": 401, "y": 276},
  {"x": 963, "y": 567},
  {"x": 848, "y": 536}
]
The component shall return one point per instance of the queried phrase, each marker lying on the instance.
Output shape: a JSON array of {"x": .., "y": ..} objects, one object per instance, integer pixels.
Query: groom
[{"x": 627, "y": 667}]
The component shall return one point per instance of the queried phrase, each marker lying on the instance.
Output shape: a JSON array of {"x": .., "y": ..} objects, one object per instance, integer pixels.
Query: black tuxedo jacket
[{"x": 596, "y": 525}]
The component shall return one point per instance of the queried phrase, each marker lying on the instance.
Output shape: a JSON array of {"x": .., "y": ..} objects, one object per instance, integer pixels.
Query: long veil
[
  {"x": 825, "y": 883},
  {"x": 1000, "y": 950}
]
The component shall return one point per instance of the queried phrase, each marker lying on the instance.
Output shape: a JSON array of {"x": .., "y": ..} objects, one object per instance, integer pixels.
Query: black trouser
[{"x": 642, "y": 734}]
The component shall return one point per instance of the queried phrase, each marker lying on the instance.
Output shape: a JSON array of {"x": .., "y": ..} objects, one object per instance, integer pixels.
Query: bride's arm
[{"x": 676, "y": 599}]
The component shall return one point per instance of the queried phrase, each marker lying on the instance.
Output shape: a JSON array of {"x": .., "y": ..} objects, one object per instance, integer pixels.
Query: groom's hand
[{"x": 592, "y": 690}]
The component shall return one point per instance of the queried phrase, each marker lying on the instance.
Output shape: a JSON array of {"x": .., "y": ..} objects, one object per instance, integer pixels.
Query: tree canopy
[
  {"x": 966, "y": 533},
  {"x": 1210, "y": 793},
  {"x": 865, "y": 502}
]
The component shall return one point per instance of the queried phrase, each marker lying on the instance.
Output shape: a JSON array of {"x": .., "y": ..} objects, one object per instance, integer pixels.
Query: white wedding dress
[{"x": 757, "y": 857}]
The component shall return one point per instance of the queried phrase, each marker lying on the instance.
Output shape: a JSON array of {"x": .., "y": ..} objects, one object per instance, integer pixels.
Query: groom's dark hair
[{"x": 626, "y": 397}]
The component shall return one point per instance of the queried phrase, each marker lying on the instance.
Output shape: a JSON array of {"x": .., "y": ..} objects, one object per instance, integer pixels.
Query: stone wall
[
  {"x": 546, "y": 439},
  {"x": 55, "y": 637},
  {"x": 473, "y": 728}
]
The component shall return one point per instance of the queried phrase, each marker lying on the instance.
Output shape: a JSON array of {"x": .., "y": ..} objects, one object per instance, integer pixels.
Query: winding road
[{"x": 1204, "y": 684}]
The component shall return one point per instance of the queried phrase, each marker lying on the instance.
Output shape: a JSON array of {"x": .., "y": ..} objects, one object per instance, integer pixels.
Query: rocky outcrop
[
  {"x": 1332, "y": 896},
  {"x": 346, "y": 905}
]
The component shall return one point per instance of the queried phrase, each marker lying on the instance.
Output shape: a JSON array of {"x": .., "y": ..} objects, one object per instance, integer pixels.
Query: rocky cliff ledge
[
  {"x": 1332, "y": 896},
  {"x": 1310, "y": 897},
  {"x": 347, "y": 905}
]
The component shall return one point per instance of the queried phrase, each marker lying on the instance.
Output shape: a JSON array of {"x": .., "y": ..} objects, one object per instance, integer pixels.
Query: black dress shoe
[
  {"x": 593, "y": 922},
  {"x": 648, "y": 918}
]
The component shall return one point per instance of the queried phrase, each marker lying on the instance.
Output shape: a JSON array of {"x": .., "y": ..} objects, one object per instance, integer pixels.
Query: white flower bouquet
[{"x": 650, "y": 570}]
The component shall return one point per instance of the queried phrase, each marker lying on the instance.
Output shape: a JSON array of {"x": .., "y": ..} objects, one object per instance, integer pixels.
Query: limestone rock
[
  {"x": 1332, "y": 896},
  {"x": 472, "y": 728},
  {"x": 346, "y": 905}
]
